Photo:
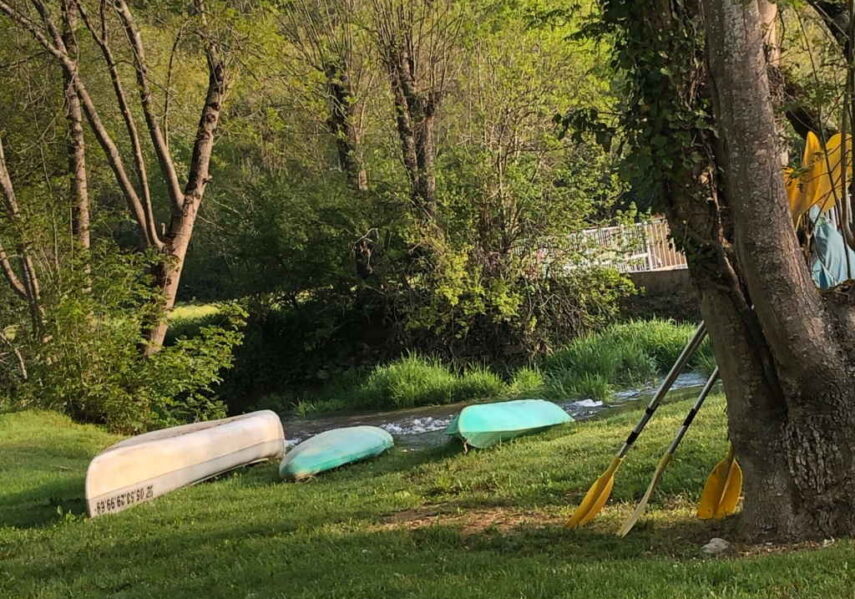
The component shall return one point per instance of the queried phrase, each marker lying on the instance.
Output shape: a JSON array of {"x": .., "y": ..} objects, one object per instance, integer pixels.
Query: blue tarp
[{"x": 830, "y": 253}]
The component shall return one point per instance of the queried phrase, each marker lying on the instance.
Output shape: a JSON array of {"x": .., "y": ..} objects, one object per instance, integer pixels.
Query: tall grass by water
[{"x": 623, "y": 355}]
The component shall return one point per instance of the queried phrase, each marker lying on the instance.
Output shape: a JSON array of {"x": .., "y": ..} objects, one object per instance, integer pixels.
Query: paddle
[
  {"x": 669, "y": 453},
  {"x": 600, "y": 491},
  {"x": 722, "y": 489}
]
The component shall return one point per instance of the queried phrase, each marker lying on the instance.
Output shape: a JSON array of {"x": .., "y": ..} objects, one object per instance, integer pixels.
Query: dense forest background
[{"x": 349, "y": 181}]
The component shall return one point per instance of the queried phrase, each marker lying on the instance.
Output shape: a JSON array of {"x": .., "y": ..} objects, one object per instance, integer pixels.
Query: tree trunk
[
  {"x": 181, "y": 226},
  {"x": 168, "y": 274},
  {"x": 784, "y": 349},
  {"x": 342, "y": 124},
  {"x": 78, "y": 186},
  {"x": 795, "y": 435}
]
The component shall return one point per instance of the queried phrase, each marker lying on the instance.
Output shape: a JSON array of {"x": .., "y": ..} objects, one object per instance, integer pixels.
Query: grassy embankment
[
  {"x": 622, "y": 355},
  {"x": 433, "y": 524}
]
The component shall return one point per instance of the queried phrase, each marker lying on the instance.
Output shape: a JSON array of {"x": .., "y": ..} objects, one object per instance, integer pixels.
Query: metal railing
[{"x": 638, "y": 247}]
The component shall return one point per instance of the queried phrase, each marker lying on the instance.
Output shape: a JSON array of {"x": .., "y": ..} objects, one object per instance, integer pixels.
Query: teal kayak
[
  {"x": 487, "y": 424},
  {"x": 332, "y": 449}
]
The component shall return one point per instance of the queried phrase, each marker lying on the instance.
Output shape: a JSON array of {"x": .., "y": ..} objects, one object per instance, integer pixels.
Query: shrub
[
  {"x": 88, "y": 363},
  {"x": 527, "y": 381}
]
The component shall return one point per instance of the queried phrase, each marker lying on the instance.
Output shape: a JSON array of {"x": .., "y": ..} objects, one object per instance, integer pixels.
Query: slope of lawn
[{"x": 437, "y": 523}]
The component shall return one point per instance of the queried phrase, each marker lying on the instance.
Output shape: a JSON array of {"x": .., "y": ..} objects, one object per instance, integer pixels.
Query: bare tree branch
[
  {"x": 161, "y": 147},
  {"x": 127, "y": 117},
  {"x": 29, "y": 281}
]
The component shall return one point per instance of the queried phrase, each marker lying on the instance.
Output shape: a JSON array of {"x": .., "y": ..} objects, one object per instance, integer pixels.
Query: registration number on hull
[{"x": 124, "y": 499}]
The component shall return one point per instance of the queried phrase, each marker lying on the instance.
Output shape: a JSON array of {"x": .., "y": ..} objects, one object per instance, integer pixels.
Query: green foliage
[
  {"x": 472, "y": 282},
  {"x": 621, "y": 355},
  {"x": 88, "y": 363},
  {"x": 624, "y": 355},
  {"x": 405, "y": 383},
  {"x": 526, "y": 381},
  {"x": 479, "y": 383},
  {"x": 410, "y": 381}
]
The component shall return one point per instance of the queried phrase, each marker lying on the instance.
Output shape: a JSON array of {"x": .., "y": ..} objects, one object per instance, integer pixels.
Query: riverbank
[
  {"x": 599, "y": 367},
  {"x": 419, "y": 524}
]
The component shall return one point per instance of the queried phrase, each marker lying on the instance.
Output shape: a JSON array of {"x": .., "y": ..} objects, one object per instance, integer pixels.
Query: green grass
[
  {"x": 623, "y": 355},
  {"x": 193, "y": 311},
  {"x": 430, "y": 524},
  {"x": 187, "y": 320},
  {"x": 408, "y": 382}
]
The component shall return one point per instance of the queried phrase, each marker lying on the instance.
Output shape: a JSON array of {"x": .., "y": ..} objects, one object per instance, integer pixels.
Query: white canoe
[{"x": 147, "y": 466}]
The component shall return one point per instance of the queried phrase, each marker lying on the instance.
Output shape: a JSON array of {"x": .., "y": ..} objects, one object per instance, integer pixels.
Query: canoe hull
[
  {"x": 486, "y": 425},
  {"x": 147, "y": 466},
  {"x": 332, "y": 449}
]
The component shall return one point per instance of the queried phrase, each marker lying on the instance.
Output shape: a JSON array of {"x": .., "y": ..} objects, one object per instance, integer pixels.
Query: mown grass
[{"x": 430, "y": 524}]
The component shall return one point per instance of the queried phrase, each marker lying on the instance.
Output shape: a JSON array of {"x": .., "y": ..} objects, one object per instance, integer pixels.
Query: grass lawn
[{"x": 437, "y": 523}]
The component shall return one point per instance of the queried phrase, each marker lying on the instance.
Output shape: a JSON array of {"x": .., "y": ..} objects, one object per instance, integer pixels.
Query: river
[{"x": 419, "y": 428}]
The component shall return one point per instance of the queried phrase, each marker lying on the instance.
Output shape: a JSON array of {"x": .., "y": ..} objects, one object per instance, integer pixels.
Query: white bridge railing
[{"x": 638, "y": 247}]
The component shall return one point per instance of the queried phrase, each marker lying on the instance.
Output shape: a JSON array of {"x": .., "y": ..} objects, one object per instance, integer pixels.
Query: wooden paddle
[
  {"x": 722, "y": 489},
  {"x": 601, "y": 490},
  {"x": 669, "y": 453}
]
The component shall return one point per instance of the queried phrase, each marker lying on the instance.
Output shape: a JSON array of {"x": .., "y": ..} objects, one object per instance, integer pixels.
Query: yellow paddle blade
[
  {"x": 596, "y": 496},
  {"x": 642, "y": 505},
  {"x": 722, "y": 490},
  {"x": 732, "y": 492}
]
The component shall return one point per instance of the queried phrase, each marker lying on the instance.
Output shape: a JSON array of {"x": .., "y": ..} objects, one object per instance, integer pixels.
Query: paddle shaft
[
  {"x": 682, "y": 359},
  {"x": 694, "y": 411}
]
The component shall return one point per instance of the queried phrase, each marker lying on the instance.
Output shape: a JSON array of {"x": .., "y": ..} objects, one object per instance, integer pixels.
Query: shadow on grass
[
  {"x": 46, "y": 504},
  {"x": 269, "y": 554},
  {"x": 43, "y": 504}
]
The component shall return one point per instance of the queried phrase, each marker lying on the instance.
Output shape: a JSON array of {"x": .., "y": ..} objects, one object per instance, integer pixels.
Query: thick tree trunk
[
  {"x": 794, "y": 433},
  {"x": 785, "y": 350},
  {"x": 181, "y": 226}
]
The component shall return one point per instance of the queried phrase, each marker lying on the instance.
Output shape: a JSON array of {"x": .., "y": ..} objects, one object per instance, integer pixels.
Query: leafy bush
[{"x": 88, "y": 362}]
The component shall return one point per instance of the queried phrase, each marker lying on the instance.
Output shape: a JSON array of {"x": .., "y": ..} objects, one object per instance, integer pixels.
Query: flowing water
[{"x": 418, "y": 428}]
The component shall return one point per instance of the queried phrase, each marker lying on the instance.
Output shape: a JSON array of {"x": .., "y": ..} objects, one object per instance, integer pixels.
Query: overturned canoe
[
  {"x": 334, "y": 448},
  {"x": 487, "y": 424},
  {"x": 147, "y": 466}
]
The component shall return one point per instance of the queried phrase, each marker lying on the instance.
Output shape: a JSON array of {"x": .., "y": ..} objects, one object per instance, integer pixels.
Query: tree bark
[
  {"x": 785, "y": 350},
  {"x": 342, "y": 125},
  {"x": 800, "y": 443},
  {"x": 416, "y": 62},
  {"x": 177, "y": 241},
  {"x": 78, "y": 185}
]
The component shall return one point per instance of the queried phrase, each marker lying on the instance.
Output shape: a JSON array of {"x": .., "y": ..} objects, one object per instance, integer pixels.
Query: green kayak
[
  {"x": 487, "y": 424},
  {"x": 332, "y": 449}
]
